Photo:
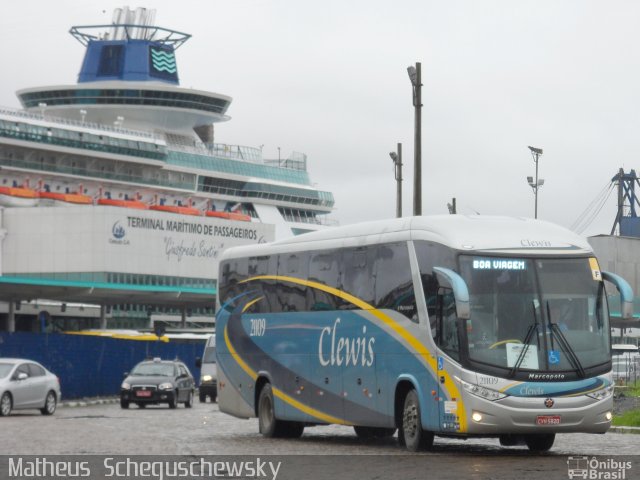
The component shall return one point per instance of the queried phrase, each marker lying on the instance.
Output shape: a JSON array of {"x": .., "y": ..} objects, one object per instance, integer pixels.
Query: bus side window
[
  {"x": 357, "y": 274},
  {"x": 394, "y": 285},
  {"x": 224, "y": 284},
  {"x": 233, "y": 272},
  {"x": 431, "y": 255},
  {"x": 324, "y": 268},
  {"x": 430, "y": 287},
  {"x": 258, "y": 266},
  {"x": 292, "y": 295},
  {"x": 447, "y": 323}
]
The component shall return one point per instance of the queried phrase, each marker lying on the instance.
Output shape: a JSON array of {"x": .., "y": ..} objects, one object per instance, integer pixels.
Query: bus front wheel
[
  {"x": 414, "y": 437},
  {"x": 540, "y": 442},
  {"x": 268, "y": 424}
]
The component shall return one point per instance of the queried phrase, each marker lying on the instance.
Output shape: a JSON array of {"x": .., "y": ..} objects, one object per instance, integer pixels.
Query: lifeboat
[
  {"x": 241, "y": 217},
  {"x": 123, "y": 203},
  {"x": 18, "y": 197},
  {"x": 66, "y": 198},
  {"x": 176, "y": 209}
]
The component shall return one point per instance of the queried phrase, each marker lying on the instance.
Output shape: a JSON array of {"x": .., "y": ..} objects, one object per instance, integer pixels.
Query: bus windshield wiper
[
  {"x": 562, "y": 340},
  {"x": 533, "y": 328}
]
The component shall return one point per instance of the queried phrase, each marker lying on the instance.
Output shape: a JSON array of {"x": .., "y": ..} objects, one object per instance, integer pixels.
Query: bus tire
[
  {"x": 268, "y": 424},
  {"x": 540, "y": 442},
  {"x": 373, "y": 432},
  {"x": 415, "y": 438}
]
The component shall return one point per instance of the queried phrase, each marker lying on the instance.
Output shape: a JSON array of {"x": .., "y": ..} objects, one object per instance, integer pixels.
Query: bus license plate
[
  {"x": 548, "y": 420},
  {"x": 143, "y": 393}
]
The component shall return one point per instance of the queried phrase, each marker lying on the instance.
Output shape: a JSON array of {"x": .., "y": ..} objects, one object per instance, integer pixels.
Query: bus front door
[{"x": 448, "y": 327}]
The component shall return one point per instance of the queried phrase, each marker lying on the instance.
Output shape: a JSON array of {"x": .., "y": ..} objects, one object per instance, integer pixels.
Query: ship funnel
[
  {"x": 131, "y": 48},
  {"x": 125, "y": 17}
]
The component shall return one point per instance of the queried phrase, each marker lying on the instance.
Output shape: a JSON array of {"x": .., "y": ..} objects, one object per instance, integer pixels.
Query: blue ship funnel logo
[{"x": 163, "y": 61}]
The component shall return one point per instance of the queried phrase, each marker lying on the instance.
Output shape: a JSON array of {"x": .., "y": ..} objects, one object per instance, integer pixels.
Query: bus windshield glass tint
[{"x": 536, "y": 314}]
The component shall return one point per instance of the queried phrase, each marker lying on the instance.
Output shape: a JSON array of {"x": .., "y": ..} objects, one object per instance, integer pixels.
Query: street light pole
[
  {"x": 397, "y": 168},
  {"x": 415, "y": 75},
  {"x": 535, "y": 153}
]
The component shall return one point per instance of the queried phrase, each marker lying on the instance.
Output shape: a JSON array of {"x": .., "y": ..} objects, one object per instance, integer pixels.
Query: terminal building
[{"x": 115, "y": 198}]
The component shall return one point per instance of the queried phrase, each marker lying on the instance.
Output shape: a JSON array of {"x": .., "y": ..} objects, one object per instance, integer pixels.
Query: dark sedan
[{"x": 158, "y": 381}]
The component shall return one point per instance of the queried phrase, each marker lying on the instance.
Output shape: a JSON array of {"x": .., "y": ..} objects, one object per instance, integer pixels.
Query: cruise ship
[{"x": 117, "y": 197}]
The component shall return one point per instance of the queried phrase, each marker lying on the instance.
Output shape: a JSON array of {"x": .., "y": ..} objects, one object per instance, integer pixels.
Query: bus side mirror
[
  {"x": 626, "y": 294},
  {"x": 460, "y": 290},
  {"x": 198, "y": 362}
]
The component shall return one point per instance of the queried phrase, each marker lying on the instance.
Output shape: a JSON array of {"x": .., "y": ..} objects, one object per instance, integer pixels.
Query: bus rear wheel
[
  {"x": 268, "y": 424},
  {"x": 540, "y": 442},
  {"x": 414, "y": 437},
  {"x": 374, "y": 432}
]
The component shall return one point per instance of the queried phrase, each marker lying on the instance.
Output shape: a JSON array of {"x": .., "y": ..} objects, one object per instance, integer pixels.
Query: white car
[{"x": 26, "y": 384}]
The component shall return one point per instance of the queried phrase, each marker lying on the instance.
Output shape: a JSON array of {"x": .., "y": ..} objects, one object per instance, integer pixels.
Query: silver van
[{"x": 208, "y": 371}]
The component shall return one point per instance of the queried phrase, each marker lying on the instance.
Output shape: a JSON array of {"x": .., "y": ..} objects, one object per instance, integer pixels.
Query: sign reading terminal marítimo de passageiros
[{"x": 183, "y": 226}]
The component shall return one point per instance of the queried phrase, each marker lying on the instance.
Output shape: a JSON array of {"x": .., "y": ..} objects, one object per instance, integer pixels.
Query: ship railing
[
  {"x": 295, "y": 161},
  {"x": 301, "y": 219},
  {"x": 78, "y": 123},
  {"x": 234, "y": 152},
  {"x": 318, "y": 220},
  {"x": 312, "y": 219}
]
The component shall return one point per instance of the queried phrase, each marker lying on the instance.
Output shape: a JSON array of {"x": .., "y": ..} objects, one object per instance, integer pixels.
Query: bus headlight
[
  {"x": 601, "y": 394},
  {"x": 206, "y": 378},
  {"x": 482, "y": 392}
]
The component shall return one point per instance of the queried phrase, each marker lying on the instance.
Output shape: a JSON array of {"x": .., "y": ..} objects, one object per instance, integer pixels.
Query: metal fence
[{"x": 91, "y": 366}]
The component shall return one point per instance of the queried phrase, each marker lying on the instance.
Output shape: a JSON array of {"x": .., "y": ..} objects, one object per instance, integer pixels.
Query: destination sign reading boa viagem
[{"x": 184, "y": 226}]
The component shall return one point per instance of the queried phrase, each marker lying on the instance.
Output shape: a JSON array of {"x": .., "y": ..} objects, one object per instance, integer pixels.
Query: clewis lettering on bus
[{"x": 334, "y": 349}]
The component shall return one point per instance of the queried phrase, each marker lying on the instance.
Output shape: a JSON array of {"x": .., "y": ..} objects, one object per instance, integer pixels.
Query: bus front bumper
[{"x": 538, "y": 415}]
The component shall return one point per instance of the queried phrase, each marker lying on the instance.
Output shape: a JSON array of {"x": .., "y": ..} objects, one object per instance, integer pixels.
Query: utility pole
[
  {"x": 397, "y": 168},
  {"x": 415, "y": 75}
]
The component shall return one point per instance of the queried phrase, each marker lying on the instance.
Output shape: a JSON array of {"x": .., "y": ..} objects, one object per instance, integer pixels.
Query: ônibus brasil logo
[
  {"x": 597, "y": 469},
  {"x": 118, "y": 234}
]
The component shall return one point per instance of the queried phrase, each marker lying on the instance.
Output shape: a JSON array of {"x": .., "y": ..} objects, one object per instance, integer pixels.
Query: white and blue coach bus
[{"x": 447, "y": 325}]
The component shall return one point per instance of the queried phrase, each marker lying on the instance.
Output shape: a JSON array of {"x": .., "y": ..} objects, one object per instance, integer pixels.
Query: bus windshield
[{"x": 541, "y": 315}]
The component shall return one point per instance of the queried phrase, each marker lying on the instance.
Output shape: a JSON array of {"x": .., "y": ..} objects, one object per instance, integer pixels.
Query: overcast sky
[{"x": 328, "y": 78}]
